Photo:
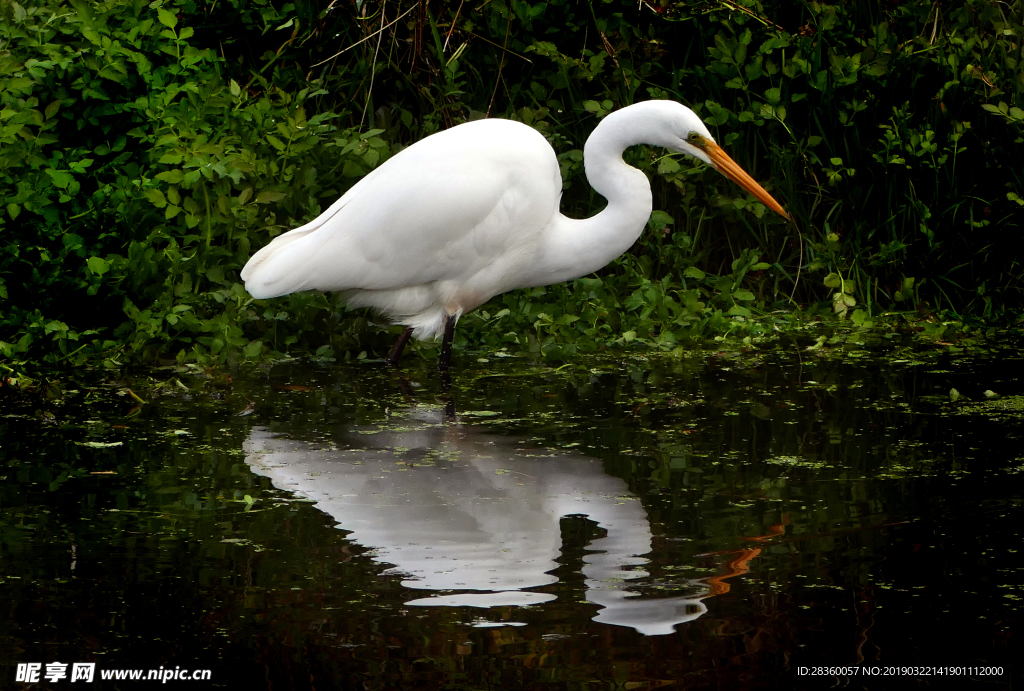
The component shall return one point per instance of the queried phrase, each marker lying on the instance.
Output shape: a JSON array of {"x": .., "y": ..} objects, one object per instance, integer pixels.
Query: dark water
[{"x": 714, "y": 522}]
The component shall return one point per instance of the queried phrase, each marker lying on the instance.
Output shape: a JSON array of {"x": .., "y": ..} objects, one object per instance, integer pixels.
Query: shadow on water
[
  {"x": 476, "y": 515},
  {"x": 699, "y": 523}
]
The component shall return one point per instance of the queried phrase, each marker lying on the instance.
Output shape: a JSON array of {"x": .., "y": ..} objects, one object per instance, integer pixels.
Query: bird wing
[{"x": 445, "y": 208}]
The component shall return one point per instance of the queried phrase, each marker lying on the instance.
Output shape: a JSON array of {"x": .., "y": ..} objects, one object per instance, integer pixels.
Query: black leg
[
  {"x": 396, "y": 352},
  {"x": 444, "y": 363}
]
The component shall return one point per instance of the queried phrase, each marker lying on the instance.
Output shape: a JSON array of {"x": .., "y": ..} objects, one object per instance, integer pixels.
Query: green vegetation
[{"x": 146, "y": 150}]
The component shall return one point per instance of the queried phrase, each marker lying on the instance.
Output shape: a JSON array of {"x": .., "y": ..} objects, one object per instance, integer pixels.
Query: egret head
[{"x": 674, "y": 126}]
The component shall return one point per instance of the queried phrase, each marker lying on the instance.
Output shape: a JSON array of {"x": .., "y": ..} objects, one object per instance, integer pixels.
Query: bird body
[
  {"x": 436, "y": 230},
  {"x": 471, "y": 212}
]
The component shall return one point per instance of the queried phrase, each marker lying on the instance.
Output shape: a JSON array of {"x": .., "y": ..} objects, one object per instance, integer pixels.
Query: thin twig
[
  {"x": 500, "y": 47},
  {"x": 611, "y": 53},
  {"x": 373, "y": 66},
  {"x": 446, "y": 38},
  {"x": 501, "y": 64},
  {"x": 417, "y": 38},
  {"x": 796, "y": 281},
  {"x": 644, "y": 3},
  {"x": 607, "y": 45},
  {"x": 367, "y": 38},
  {"x": 740, "y": 8}
]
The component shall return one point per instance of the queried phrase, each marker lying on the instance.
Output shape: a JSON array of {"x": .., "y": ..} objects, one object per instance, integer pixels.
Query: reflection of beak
[{"x": 728, "y": 167}]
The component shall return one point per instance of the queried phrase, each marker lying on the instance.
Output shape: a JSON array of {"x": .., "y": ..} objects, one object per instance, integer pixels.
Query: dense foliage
[{"x": 147, "y": 149}]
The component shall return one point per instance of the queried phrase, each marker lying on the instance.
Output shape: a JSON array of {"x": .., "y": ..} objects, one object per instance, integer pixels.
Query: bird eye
[{"x": 694, "y": 137}]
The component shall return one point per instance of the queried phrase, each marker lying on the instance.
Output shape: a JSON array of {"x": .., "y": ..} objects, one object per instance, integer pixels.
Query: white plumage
[{"x": 471, "y": 212}]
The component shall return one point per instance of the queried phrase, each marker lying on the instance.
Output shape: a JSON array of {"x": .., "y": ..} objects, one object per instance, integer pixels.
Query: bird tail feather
[
  {"x": 278, "y": 270},
  {"x": 272, "y": 271}
]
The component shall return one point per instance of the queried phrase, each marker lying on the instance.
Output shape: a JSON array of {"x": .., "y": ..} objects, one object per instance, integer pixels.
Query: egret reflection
[{"x": 475, "y": 516}]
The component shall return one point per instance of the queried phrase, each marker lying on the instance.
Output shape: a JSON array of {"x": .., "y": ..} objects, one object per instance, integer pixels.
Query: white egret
[{"x": 470, "y": 212}]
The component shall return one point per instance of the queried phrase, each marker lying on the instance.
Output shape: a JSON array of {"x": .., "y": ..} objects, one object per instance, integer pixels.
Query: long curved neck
[{"x": 577, "y": 247}]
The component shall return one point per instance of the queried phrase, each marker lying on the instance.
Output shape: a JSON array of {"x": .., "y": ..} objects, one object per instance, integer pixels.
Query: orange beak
[{"x": 728, "y": 167}]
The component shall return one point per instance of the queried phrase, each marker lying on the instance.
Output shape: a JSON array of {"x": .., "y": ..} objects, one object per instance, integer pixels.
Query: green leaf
[
  {"x": 215, "y": 274},
  {"x": 744, "y": 295},
  {"x": 660, "y": 219},
  {"x": 80, "y": 166},
  {"x": 171, "y": 176},
  {"x": 97, "y": 265},
  {"x": 13, "y": 210},
  {"x": 156, "y": 197},
  {"x": 667, "y": 166},
  {"x": 60, "y": 178},
  {"x": 693, "y": 272},
  {"x": 268, "y": 196},
  {"x": 236, "y": 90},
  {"x": 833, "y": 280},
  {"x": 167, "y": 18}
]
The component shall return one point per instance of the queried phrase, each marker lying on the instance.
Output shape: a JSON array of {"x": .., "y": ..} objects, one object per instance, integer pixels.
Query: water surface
[{"x": 714, "y": 521}]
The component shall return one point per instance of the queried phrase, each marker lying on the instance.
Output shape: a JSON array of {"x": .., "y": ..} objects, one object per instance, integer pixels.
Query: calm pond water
[{"x": 718, "y": 521}]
